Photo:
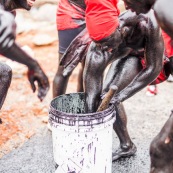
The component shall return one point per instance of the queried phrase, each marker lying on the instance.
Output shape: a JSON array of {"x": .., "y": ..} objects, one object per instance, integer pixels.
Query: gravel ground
[{"x": 146, "y": 116}]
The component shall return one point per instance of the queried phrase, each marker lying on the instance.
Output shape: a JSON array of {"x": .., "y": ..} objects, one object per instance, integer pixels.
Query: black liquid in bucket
[
  {"x": 69, "y": 109},
  {"x": 70, "y": 103}
]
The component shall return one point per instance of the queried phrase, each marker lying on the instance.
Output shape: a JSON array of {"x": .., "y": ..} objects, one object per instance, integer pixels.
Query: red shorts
[
  {"x": 161, "y": 77},
  {"x": 164, "y": 74},
  {"x": 168, "y": 44},
  {"x": 69, "y": 16}
]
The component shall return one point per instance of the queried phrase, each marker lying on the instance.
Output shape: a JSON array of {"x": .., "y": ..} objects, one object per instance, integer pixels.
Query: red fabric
[
  {"x": 66, "y": 15},
  {"x": 168, "y": 44},
  {"x": 168, "y": 53},
  {"x": 160, "y": 78},
  {"x": 101, "y": 18}
]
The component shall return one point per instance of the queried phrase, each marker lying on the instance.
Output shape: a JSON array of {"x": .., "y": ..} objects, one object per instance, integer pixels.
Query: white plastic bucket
[{"x": 82, "y": 143}]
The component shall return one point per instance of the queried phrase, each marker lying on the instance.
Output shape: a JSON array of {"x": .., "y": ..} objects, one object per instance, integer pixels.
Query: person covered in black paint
[
  {"x": 161, "y": 149},
  {"x": 11, "y": 50},
  {"x": 161, "y": 159},
  {"x": 162, "y": 10},
  {"x": 139, "y": 60}
]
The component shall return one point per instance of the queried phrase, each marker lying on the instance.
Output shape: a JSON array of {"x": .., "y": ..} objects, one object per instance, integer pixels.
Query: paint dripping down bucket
[{"x": 82, "y": 142}]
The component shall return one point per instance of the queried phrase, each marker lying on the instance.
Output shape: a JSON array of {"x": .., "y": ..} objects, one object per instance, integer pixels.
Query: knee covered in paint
[
  {"x": 6, "y": 73},
  {"x": 161, "y": 159}
]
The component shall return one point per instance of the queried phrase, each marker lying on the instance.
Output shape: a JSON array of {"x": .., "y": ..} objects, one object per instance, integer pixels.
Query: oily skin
[
  {"x": 9, "y": 49},
  {"x": 162, "y": 9},
  {"x": 161, "y": 159},
  {"x": 139, "y": 32},
  {"x": 8, "y": 26},
  {"x": 139, "y": 6},
  {"x": 140, "y": 36},
  {"x": 161, "y": 149},
  {"x": 71, "y": 56},
  {"x": 61, "y": 77},
  {"x": 7, "y": 32}
]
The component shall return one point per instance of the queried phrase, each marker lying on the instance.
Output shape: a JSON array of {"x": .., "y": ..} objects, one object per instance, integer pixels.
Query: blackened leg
[
  {"x": 60, "y": 82},
  {"x": 127, "y": 147},
  {"x": 5, "y": 81},
  {"x": 80, "y": 78},
  {"x": 121, "y": 73}
]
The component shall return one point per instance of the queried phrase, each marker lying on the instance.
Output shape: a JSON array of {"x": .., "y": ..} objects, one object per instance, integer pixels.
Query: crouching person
[{"x": 11, "y": 50}]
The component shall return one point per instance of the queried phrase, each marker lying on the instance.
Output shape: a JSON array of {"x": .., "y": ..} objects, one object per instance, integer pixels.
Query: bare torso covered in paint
[{"x": 139, "y": 32}]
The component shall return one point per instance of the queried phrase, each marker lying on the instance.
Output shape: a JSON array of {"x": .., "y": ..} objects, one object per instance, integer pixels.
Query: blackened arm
[
  {"x": 154, "y": 49},
  {"x": 15, "y": 53},
  {"x": 35, "y": 72},
  {"x": 8, "y": 47},
  {"x": 95, "y": 64}
]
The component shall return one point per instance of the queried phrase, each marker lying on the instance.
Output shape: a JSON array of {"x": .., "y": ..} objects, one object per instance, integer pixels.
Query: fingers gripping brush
[{"x": 105, "y": 102}]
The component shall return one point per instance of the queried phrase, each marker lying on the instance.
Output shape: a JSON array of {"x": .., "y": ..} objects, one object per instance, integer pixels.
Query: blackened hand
[
  {"x": 7, "y": 30},
  {"x": 110, "y": 43},
  {"x": 115, "y": 100},
  {"x": 39, "y": 76}
]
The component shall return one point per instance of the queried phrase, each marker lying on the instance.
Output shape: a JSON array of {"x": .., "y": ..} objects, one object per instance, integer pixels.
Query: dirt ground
[{"x": 22, "y": 113}]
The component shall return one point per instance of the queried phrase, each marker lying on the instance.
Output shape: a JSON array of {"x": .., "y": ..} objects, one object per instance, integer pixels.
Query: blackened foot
[{"x": 124, "y": 152}]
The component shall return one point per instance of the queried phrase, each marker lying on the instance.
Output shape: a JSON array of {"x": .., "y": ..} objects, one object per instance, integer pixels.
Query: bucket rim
[
  {"x": 80, "y": 119},
  {"x": 93, "y": 114}
]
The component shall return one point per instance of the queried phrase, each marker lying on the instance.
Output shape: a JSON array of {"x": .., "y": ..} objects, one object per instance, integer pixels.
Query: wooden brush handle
[{"x": 105, "y": 102}]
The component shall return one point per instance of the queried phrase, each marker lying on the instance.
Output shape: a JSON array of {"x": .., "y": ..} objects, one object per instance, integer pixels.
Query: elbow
[
  {"x": 158, "y": 69},
  {"x": 155, "y": 71}
]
